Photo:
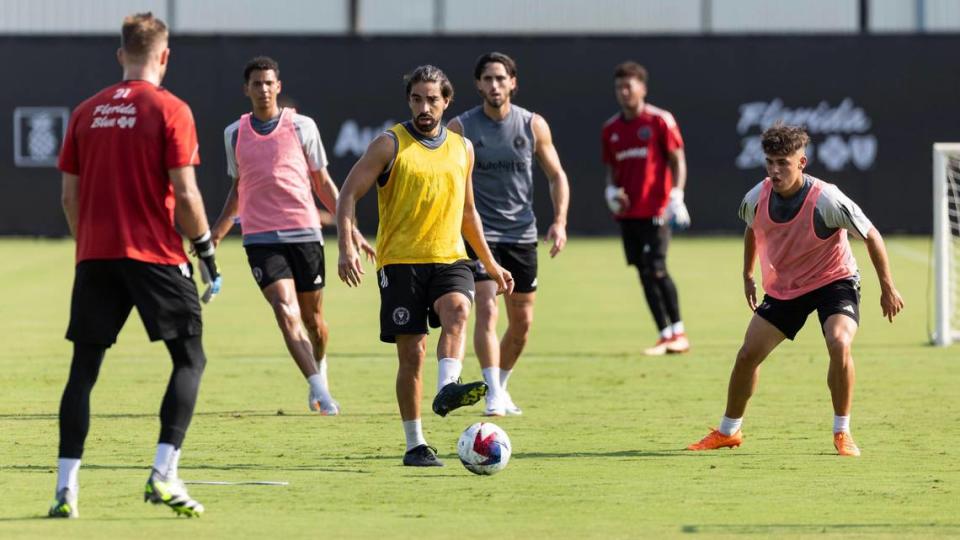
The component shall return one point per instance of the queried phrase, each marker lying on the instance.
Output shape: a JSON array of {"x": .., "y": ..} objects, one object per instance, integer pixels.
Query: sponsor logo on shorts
[
  {"x": 257, "y": 274},
  {"x": 401, "y": 316},
  {"x": 764, "y": 305},
  {"x": 534, "y": 283},
  {"x": 849, "y": 308},
  {"x": 318, "y": 280},
  {"x": 481, "y": 269}
]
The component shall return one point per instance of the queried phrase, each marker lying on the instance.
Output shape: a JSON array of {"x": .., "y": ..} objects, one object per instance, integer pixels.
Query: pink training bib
[
  {"x": 274, "y": 192},
  {"x": 793, "y": 260}
]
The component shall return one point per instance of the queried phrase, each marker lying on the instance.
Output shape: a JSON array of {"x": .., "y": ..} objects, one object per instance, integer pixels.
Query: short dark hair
[
  {"x": 141, "y": 33},
  {"x": 496, "y": 58},
  {"x": 260, "y": 63},
  {"x": 782, "y": 140},
  {"x": 630, "y": 69},
  {"x": 429, "y": 73}
]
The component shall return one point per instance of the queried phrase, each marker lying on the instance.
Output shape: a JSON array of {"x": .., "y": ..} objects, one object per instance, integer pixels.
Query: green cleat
[
  {"x": 65, "y": 505},
  {"x": 171, "y": 493}
]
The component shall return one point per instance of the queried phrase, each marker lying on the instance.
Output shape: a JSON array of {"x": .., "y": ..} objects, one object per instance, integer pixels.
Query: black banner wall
[{"x": 873, "y": 106}]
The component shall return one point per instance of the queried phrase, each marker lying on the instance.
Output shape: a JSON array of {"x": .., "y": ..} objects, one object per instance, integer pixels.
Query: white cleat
[
  {"x": 326, "y": 407},
  {"x": 678, "y": 344},
  {"x": 510, "y": 407},
  {"x": 495, "y": 407},
  {"x": 659, "y": 349}
]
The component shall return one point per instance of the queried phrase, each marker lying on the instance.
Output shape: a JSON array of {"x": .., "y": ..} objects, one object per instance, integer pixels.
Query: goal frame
[{"x": 943, "y": 334}]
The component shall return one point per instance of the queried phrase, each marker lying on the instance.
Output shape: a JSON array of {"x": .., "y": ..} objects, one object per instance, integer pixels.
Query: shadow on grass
[
  {"x": 234, "y": 414},
  {"x": 800, "y": 528},
  {"x": 194, "y": 469},
  {"x": 53, "y": 520}
]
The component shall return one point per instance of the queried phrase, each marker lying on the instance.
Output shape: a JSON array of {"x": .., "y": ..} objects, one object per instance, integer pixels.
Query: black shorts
[
  {"x": 408, "y": 291},
  {"x": 303, "y": 262},
  {"x": 789, "y": 316},
  {"x": 104, "y": 292},
  {"x": 519, "y": 259},
  {"x": 645, "y": 242}
]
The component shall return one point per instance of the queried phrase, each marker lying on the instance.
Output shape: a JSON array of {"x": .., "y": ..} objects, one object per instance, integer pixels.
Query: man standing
[
  {"x": 646, "y": 176},
  {"x": 798, "y": 226},
  {"x": 127, "y": 163},
  {"x": 505, "y": 138},
  {"x": 277, "y": 163},
  {"x": 425, "y": 198}
]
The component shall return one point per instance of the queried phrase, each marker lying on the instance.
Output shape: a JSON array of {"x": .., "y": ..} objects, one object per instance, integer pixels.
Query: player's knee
[
  {"x": 457, "y": 314},
  {"x": 839, "y": 344},
  {"x": 287, "y": 313},
  {"x": 747, "y": 358}
]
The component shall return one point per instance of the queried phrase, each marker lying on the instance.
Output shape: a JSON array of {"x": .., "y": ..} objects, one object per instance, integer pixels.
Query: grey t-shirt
[
  {"x": 503, "y": 173},
  {"x": 316, "y": 157},
  {"x": 833, "y": 210}
]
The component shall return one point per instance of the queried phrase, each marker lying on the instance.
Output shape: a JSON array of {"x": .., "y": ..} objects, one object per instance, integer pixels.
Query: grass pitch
[{"x": 597, "y": 453}]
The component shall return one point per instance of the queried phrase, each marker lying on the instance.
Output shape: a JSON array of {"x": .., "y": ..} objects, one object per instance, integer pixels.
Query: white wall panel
[
  {"x": 571, "y": 16},
  {"x": 888, "y": 16},
  {"x": 260, "y": 17},
  {"x": 783, "y": 17},
  {"x": 72, "y": 16},
  {"x": 942, "y": 15},
  {"x": 394, "y": 17}
]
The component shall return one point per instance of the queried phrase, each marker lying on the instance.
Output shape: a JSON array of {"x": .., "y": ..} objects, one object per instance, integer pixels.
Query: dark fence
[{"x": 873, "y": 106}]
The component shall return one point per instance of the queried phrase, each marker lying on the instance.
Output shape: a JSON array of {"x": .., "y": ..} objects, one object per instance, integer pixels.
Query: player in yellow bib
[{"x": 425, "y": 198}]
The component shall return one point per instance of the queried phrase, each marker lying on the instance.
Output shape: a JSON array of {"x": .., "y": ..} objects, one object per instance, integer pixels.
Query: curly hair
[{"x": 782, "y": 140}]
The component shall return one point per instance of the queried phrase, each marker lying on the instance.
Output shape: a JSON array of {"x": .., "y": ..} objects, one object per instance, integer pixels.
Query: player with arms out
[
  {"x": 505, "y": 138},
  {"x": 127, "y": 163},
  {"x": 646, "y": 176},
  {"x": 798, "y": 226},
  {"x": 277, "y": 162},
  {"x": 425, "y": 198}
]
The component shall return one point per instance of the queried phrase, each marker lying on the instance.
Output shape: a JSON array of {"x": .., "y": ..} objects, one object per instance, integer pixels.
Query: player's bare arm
[
  {"x": 191, "y": 217},
  {"x": 472, "y": 230},
  {"x": 69, "y": 199},
  {"x": 362, "y": 177},
  {"x": 549, "y": 161},
  {"x": 749, "y": 256},
  {"x": 890, "y": 300},
  {"x": 327, "y": 192},
  {"x": 227, "y": 215},
  {"x": 678, "y": 168}
]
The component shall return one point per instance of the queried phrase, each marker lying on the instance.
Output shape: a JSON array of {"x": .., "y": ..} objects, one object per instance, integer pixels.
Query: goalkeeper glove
[
  {"x": 209, "y": 273},
  {"x": 677, "y": 215},
  {"x": 612, "y": 195}
]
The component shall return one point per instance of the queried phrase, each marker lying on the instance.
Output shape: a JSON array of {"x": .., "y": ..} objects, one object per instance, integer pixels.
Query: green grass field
[{"x": 597, "y": 453}]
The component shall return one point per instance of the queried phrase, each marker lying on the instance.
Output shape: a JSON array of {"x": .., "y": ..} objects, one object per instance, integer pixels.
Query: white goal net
[{"x": 946, "y": 242}]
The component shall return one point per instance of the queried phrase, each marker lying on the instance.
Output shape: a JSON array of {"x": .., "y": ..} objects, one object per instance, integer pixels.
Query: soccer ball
[{"x": 484, "y": 448}]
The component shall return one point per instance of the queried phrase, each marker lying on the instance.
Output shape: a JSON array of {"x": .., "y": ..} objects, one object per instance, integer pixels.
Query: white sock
[
  {"x": 414, "y": 432},
  {"x": 161, "y": 462},
  {"x": 841, "y": 423},
  {"x": 491, "y": 376},
  {"x": 677, "y": 328},
  {"x": 504, "y": 377},
  {"x": 67, "y": 471},
  {"x": 729, "y": 426},
  {"x": 448, "y": 371},
  {"x": 666, "y": 333},
  {"x": 173, "y": 468},
  {"x": 318, "y": 385}
]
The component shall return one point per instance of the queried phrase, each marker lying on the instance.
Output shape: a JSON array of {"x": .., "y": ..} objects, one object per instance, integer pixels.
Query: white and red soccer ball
[{"x": 484, "y": 448}]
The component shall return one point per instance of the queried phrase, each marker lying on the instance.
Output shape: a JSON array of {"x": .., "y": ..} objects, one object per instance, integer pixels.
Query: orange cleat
[
  {"x": 678, "y": 344},
  {"x": 844, "y": 444},
  {"x": 717, "y": 440}
]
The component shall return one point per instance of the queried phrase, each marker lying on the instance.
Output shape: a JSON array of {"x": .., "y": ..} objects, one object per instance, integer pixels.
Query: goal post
[{"x": 946, "y": 241}]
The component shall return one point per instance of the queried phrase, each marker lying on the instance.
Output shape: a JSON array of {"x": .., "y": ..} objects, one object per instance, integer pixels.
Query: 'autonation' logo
[{"x": 840, "y": 135}]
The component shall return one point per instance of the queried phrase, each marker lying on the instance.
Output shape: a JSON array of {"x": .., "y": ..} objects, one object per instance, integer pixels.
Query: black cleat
[
  {"x": 422, "y": 456},
  {"x": 456, "y": 395}
]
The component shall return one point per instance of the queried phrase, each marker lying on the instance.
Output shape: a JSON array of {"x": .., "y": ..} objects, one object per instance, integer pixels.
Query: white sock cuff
[
  {"x": 729, "y": 426},
  {"x": 841, "y": 423},
  {"x": 161, "y": 461},
  {"x": 68, "y": 469},
  {"x": 448, "y": 371},
  {"x": 413, "y": 430}
]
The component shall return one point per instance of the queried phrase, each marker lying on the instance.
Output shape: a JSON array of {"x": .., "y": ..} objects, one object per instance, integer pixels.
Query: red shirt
[
  {"x": 121, "y": 142},
  {"x": 637, "y": 151}
]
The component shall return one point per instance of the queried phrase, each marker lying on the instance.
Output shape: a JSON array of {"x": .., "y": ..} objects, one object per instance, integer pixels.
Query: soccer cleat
[
  {"x": 659, "y": 349},
  {"x": 678, "y": 344},
  {"x": 171, "y": 493},
  {"x": 717, "y": 440},
  {"x": 326, "y": 407},
  {"x": 509, "y": 406},
  {"x": 844, "y": 444},
  {"x": 422, "y": 456},
  {"x": 456, "y": 395},
  {"x": 495, "y": 407},
  {"x": 64, "y": 505}
]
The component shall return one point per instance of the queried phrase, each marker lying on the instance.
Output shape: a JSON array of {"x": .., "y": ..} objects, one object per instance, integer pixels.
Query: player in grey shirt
[{"x": 506, "y": 138}]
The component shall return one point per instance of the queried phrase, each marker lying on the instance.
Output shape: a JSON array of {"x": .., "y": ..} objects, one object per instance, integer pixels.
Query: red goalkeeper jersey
[{"x": 637, "y": 151}]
